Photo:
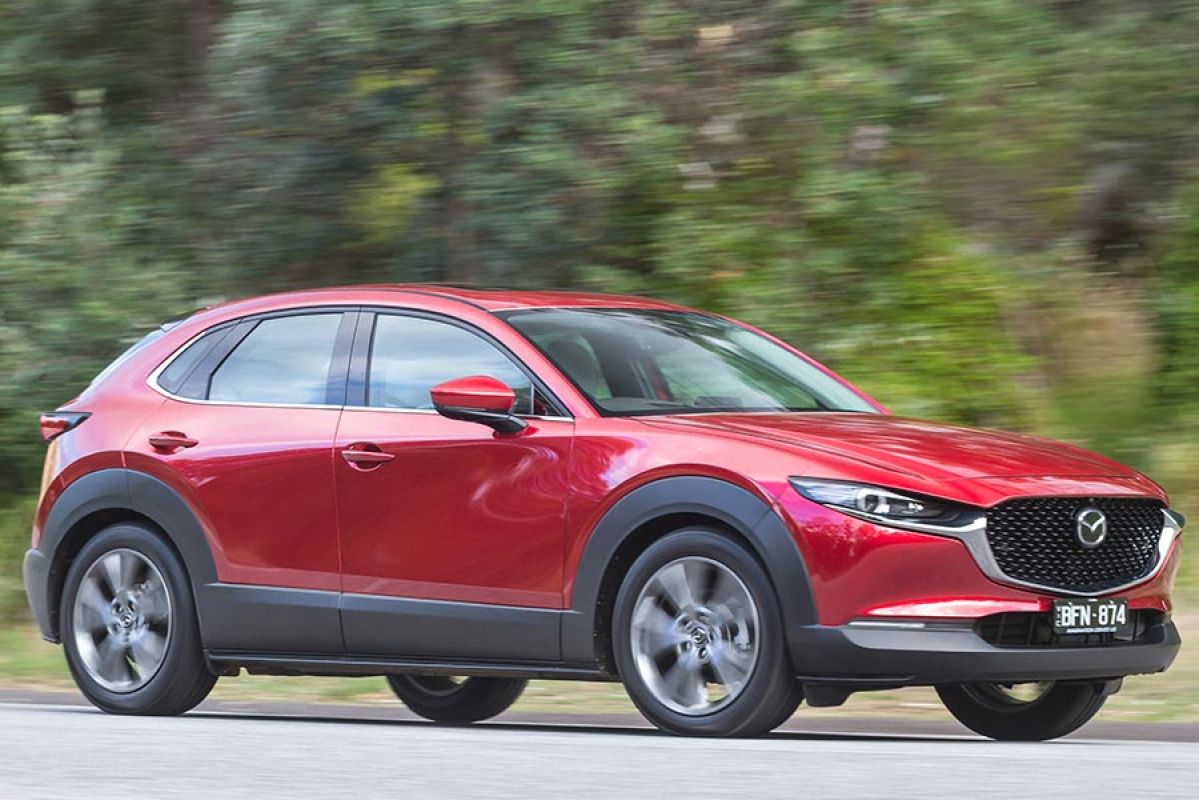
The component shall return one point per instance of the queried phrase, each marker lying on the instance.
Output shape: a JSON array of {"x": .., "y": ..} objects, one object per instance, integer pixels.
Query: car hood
[{"x": 920, "y": 449}]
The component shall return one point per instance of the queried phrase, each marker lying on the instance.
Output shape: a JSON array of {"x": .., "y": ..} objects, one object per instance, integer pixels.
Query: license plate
[{"x": 1091, "y": 616}]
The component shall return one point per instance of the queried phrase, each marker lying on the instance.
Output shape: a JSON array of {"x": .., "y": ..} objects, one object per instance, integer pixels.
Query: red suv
[{"x": 462, "y": 490}]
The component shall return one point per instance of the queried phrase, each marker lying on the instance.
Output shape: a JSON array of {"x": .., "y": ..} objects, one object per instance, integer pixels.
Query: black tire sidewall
[
  {"x": 1065, "y": 708},
  {"x": 476, "y": 699},
  {"x": 771, "y": 684},
  {"x": 184, "y": 654}
]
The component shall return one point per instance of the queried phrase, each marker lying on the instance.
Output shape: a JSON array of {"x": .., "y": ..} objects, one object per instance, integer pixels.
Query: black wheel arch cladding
[
  {"x": 748, "y": 516},
  {"x": 116, "y": 491}
]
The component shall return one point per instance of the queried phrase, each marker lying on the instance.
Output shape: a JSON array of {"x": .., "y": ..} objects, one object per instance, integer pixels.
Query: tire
[
  {"x": 788, "y": 707},
  {"x": 698, "y": 638},
  {"x": 988, "y": 709},
  {"x": 129, "y": 628},
  {"x": 457, "y": 702}
]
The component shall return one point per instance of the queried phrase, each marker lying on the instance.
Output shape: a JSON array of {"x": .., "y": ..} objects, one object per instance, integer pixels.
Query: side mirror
[{"x": 478, "y": 398}]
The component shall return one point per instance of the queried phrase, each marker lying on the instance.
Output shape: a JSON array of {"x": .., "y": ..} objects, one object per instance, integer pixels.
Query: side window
[
  {"x": 175, "y": 376},
  {"x": 411, "y": 355},
  {"x": 283, "y": 360}
]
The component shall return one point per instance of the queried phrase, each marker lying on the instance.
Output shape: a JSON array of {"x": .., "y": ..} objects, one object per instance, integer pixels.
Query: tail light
[{"x": 55, "y": 423}]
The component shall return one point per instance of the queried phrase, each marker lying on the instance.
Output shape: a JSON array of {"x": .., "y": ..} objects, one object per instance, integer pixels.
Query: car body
[{"x": 343, "y": 523}]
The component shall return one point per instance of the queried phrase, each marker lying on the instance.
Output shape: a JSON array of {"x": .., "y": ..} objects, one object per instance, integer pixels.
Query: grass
[{"x": 27, "y": 661}]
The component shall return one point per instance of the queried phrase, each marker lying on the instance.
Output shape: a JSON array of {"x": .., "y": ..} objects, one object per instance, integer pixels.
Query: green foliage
[
  {"x": 14, "y": 540},
  {"x": 84, "y": 270},
  {"x": 979, "y": 210}
]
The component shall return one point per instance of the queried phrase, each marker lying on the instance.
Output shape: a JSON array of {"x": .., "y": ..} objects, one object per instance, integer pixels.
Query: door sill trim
[{"x": 257, "y": 663}]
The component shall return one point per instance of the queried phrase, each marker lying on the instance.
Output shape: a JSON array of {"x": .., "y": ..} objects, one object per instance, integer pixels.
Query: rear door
[{"x": 246, "y": 435}]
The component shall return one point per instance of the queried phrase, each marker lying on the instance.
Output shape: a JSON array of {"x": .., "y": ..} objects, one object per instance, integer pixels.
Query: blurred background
[{"x": 981, "y": 211}]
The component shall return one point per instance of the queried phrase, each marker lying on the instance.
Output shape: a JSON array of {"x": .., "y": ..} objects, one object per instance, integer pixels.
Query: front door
[{"x": 452, "y": 535}]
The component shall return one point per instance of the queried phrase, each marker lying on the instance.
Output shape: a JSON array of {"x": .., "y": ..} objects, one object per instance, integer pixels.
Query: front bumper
[
  {"x": 36, "y": 572},
  {"x": 871, "y": 657}
]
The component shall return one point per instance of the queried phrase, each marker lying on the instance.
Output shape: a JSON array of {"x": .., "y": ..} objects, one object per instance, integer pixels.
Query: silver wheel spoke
[
  {"x": 156, "y": 607},
  {"x": 730, "y": 667},
  {"x": 112, "y": 660},
  {"x": 147, "y": 651},
  {"x": 121, "y": 569},
  {"x": 725, "y": 588},
  {"x": 685, "y": 685},
  {"x": 111, "y": 567},
  {"x": 694, "y": 635},
  {"x": 675, "y": 585},
  {"x": 94, "y": 613},
  {"x": 655, "y": 628}
]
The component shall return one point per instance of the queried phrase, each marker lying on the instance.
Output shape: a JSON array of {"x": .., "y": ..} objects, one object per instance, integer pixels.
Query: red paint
[
  {"x": 411, "y": 503},
  {"x": 261, "y": 478},
  {"x": 459, "y": 513},
  {"x": 476, "y": 392}
]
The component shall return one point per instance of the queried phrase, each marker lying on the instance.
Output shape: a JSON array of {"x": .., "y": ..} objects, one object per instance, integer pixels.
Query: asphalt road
[{"x": 67, "y": 751}]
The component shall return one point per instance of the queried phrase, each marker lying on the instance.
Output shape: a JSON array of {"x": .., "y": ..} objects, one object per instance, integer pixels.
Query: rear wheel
[
  {"x": 129, "y": 628},
  {"x": 452, "y": 699},
  {"x": 698, "y": 638},
  {"x": 1023, "y": 711}
]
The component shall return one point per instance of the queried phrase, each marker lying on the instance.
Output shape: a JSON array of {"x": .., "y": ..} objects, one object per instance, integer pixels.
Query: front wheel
[
  {"x": 1029, "y": 712},
  {"x": 455, "y": 700},
  {"x": 698, "y": 638}
]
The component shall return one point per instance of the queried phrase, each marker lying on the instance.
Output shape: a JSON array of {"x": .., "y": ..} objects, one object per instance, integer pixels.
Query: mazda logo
[{"x": 1092, "y": 527}]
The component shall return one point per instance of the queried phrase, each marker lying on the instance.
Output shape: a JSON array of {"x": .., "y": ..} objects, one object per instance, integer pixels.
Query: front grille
[
  {"x": 1035, "y": 541},
  {"x": 1026, "y": 629}
]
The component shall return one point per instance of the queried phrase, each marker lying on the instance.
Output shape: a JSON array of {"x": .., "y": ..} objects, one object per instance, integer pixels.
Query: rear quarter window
[{"x": 175, "y": 376}]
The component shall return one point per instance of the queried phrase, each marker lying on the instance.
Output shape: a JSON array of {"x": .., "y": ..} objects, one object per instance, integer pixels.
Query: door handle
[
  {"x": 171, "y": 440},
  {"x": 365, "y": 455}
]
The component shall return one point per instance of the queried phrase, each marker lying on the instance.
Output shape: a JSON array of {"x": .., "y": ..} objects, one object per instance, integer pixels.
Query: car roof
[
  {"x": 485, "y": 299},
  {"x": 508, "y": 299}
]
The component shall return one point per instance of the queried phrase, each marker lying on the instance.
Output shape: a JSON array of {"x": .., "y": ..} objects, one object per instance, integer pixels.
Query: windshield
[{"x": 640, "y": 362}]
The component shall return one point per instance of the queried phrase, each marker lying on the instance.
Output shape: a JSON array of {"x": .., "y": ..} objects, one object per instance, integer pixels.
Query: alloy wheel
[
  {"x": 1009, "y": 695},
  {"x": 122, "y": 620},
  {"x": 695, "y": 635}
]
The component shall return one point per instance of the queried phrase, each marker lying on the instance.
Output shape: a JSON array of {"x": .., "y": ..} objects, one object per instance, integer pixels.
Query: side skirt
[
  {"x": 431, "y": 630},
  {"x": 372, "y": 634},
  {"x": 225, "y": 662}
]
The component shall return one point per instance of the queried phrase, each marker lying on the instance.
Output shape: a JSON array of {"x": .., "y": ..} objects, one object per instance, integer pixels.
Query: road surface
[{"x": 53, "y": 747}]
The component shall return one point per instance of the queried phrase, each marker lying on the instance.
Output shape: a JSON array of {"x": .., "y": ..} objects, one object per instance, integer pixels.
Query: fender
[
  {"x": 737, "y": 508},
  {"x": 231, "y": 616},
  {"x": 124, "y": 490}
]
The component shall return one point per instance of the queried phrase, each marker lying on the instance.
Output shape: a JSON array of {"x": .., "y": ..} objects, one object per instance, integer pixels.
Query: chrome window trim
[
  {"x": 152, "y": 378},
  {"x": 322, "y": 406},
  {"x": 386, "y": 410},
  {"x": 535, "y": 378},
  {"x": 232, "y": 404}
]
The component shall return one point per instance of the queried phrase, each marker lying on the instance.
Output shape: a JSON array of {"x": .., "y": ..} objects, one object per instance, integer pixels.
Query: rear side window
[
  {"x": 283, "y": 360},
  {"x": 411, "y": 355},
  {"x": 175, "y": 376}
]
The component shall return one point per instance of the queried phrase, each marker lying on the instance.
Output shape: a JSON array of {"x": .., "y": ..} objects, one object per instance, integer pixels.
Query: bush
[{"x": 15, "y": 523}]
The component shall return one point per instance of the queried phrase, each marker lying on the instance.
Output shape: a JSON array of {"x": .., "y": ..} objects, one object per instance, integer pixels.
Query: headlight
[{"x": 891, "y": 508}]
